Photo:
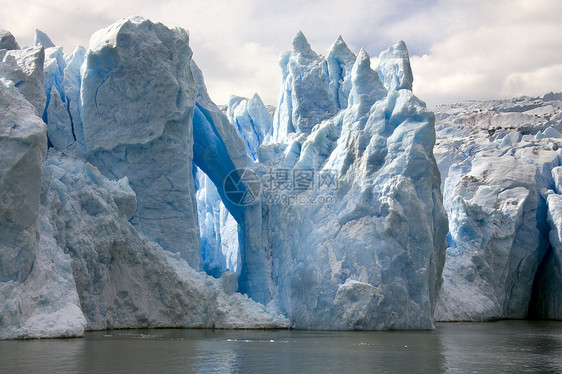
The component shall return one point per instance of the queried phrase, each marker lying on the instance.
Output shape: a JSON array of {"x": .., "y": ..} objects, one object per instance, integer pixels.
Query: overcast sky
[{"x": 460, "y": 50}]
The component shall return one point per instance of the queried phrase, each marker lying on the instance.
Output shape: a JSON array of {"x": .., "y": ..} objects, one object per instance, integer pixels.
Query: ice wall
[
  {"x": 365, "y": 251},
  {"x": 37, "y": 293},
  {"x": 23, "y": 144},
  {"x": 497, "y": 160},
  {"x": 137, "y": 107},
  {"x": 92, "y": 268}
]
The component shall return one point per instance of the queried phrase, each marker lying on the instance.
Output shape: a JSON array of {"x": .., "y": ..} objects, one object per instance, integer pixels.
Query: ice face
[
  {"x": 137, "y": 103},
  {"x": 340, "y": 61},
  {"x": 37, "y": 292},
  {"x": 304, "y": 74},
  {"x": 24, "y": 67},
  {"x": 72, "y": 83},
  {"x": 394, "y": 67},
  {"x": 22, "y": 147},
  {"x": 548, "y": 296},
  {"x": 218, "y": 230},
  {"x": 53, "y": 73},
  {"x": 496, "y": 160},
  {"x": 370, "y": 255},
  {"x": 59, "y": 129},
  {"x": 124, "y": 63},
  {"x": 62, "y": 81}
]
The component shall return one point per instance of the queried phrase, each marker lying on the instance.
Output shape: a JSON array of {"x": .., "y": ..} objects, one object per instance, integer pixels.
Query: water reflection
[
  {"x": 508, "y": 346},
  {"x": 320, "y": 352},
  {"x": 503, "y": 347}
]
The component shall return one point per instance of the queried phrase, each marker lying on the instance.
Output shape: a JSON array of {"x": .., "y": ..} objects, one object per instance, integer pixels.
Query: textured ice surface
[
  {"x": 7, "y": 40},
  {"x": 37, "y": 293},
  {"x": 24, "y": 67},
  {"x": 367, "y": 252},
  {"x": 92, "y": 266},
  {"x": 252, "y": 120},
  {"x": 137, "y": 107},
  {"x": 218, "y": 230},
  {"x": 123, "y": 279},
  {"x": 496, "y": 159},
  {"x": 22, "y": 150}
]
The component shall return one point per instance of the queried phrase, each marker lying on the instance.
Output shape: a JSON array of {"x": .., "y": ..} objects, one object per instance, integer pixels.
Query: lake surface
[{"x": 493, "y": 347}]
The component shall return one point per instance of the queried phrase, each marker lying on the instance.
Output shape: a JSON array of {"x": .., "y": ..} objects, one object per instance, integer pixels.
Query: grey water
[{"x": 491, "y": 347}]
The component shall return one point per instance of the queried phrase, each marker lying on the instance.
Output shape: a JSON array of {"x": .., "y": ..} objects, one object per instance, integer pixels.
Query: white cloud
[{"x": 460, "y": 49}]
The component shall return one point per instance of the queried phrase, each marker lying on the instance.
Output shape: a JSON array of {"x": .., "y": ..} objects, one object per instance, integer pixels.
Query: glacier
[
  {"x": 499, "y": 163},
  {"x": 128, "y": 198},
  {"x": 81, "y": 256}
]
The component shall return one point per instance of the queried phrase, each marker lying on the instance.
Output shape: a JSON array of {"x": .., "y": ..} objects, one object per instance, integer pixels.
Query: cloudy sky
[{"x": 460, "y": 49}]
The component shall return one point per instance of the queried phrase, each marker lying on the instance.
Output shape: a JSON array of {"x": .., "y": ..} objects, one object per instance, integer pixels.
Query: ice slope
[
  {"x": 496, "y": 159},
  {"x": 365, "y": 251},
  {"x": 122, "y": 278}
]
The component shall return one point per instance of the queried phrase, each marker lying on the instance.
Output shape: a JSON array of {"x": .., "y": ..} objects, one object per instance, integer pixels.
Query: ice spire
[
  {"x": 394, "y": 67},
  {"x": 41, "y": 39},
  {"x": 301, "y": 45},
  {"x": 365, "y": 82}
]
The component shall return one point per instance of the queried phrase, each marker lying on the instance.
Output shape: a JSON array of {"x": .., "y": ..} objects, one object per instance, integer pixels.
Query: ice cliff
[
  {"x": 147, "y": 183},
  {"x": 499, "y": 162},
  {"x": 101, "y": 230},
  {"x": 353, "y": 221},
  {"x": 129, "y": 199}
]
